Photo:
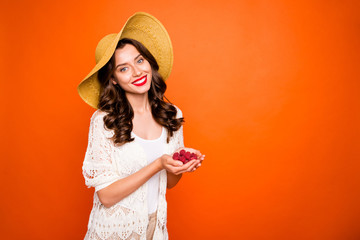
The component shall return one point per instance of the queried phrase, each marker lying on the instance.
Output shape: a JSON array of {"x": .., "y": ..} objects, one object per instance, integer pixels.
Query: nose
[{"x": 136, "y": 71}]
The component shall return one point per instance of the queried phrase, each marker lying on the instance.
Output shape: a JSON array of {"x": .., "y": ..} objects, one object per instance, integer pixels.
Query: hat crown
[{"x": 103, "y": 45}]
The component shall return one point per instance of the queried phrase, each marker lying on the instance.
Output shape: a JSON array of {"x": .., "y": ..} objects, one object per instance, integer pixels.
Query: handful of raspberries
[{"x": 184, "y": 156}]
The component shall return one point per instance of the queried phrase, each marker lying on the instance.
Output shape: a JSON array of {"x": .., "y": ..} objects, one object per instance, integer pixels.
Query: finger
[
  {"x": 196, "y": 166},
  {"x": 178, "y": 170},
  {"x": 193, "y": 169},
  {"x": 175, "y": 163},
  {"x": 188, "y": 166},
  {"x": 184, "y": 167},
  {"x": 192, "y": 166},
  {"x": 171, "y": 169}
]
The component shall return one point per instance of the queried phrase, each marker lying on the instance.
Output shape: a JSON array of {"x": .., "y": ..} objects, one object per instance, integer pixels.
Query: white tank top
[{"x": 153, "y": 149}]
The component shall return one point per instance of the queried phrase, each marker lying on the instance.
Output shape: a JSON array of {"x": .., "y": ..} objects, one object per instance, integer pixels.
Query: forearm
[
  {"x": 124, "y": 187},
  {"x": 172, "y": 179}
]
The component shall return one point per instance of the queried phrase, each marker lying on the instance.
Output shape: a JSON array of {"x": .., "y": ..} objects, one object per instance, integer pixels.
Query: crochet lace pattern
[{"x": 105, "y": 163}]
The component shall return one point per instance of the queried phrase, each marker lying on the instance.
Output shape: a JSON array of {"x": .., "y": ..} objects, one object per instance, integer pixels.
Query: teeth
[{"x": 141, "y": 81}]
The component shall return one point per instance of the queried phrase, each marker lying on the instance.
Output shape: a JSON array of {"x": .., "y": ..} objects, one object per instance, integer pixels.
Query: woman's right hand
[{"x": 177, "y": 167}]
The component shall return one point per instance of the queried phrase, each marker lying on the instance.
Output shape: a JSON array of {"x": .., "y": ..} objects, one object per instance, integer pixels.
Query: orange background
[{"x": 269, "y": 92}]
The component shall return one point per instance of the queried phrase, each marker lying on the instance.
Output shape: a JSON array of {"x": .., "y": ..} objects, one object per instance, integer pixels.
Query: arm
[
  {"x": 98, "y": 169},
  {"x": 172, "y": 179},
  {"x": 122, "y": 188}
]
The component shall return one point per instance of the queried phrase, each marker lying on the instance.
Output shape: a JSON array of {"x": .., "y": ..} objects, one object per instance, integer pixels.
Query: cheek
[
  {"x": 150, "y": 77},
  {"x": 146, "y": 67},
  {"x": 148, "y": 70},
  {"x": 123, "y": 78}
]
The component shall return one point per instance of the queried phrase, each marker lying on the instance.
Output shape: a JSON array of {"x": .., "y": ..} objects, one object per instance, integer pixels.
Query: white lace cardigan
[{"x": 105, "y": 163}]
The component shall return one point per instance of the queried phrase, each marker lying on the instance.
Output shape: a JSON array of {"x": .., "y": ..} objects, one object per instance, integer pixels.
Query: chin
[{"x": 144, "y": 91}]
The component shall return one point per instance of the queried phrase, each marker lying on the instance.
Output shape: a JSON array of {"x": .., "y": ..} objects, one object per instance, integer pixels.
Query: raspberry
[
  {"x": 182, "y": 152},
  {"x": 176, "y": 156},
  {"x": 184, "y": 156}
]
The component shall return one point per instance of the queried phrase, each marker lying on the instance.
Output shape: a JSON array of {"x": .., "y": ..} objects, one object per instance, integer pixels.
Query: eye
[
  {"x": 123, "y": 69},
  {"x": 140, "y": 60}
]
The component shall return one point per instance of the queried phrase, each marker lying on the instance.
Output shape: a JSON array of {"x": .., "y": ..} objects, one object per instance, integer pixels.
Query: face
[{"x": 132, "y": 70}]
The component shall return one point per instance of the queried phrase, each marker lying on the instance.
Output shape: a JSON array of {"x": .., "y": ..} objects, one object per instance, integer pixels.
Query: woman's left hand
[{"x": 195, "y": 163}]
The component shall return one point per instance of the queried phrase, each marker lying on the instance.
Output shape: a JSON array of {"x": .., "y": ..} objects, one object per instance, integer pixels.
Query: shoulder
[
  {"x": 97, "y": 116},
  {"x": 97, "y": 122},
  {"x": 179, "y": 113}
]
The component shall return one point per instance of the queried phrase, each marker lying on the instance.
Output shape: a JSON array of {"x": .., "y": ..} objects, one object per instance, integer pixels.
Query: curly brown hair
[{"x": 113, "y": 100}]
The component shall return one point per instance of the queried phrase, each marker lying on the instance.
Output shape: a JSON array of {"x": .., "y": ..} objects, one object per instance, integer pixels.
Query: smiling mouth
[{"x": 141, "y": 81}]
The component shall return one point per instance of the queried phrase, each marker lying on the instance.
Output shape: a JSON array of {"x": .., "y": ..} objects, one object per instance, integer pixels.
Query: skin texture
[{"x": 130, "y": 66}]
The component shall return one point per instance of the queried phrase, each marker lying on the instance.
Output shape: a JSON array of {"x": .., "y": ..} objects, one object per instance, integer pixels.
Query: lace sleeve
[{"x": 98, "y": 169}]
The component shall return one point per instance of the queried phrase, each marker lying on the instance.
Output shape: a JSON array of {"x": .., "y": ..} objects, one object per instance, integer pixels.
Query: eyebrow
[{"x": 125, "y": 63}]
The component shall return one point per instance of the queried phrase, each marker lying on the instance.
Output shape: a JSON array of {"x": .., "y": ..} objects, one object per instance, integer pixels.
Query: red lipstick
[{"x": 142, "y": 81}]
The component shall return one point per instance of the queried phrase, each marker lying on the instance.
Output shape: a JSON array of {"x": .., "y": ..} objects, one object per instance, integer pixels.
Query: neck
[{"x": 139, "y": 102}]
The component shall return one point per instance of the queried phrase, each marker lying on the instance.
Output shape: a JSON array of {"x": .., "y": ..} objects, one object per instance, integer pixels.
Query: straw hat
[{"x": 142, "y": 27}]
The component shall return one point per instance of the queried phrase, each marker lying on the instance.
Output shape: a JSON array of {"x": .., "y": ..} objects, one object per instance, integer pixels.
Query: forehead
[{"x": 126, "y": 54}]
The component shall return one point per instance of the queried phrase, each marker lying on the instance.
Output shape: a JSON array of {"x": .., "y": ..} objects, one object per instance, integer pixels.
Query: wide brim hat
[{"x": 142, "y": 27}]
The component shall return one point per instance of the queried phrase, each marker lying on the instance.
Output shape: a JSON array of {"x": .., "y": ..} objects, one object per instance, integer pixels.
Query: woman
[{"x": 133, "y": 133}]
